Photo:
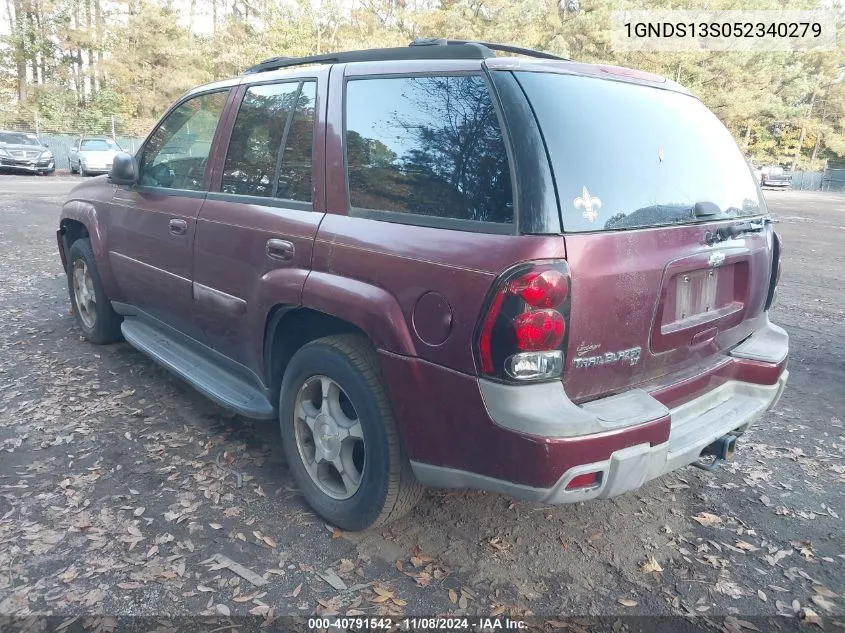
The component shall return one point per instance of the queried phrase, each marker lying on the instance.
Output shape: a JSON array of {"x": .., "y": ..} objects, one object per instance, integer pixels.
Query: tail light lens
[
  {"x": 523, "y": 330},
  {"x": 774, "y": 278}
]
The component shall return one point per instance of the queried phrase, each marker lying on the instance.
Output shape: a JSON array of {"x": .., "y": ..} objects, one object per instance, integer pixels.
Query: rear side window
[
  {"x": 252, "y": 158},
  {"x": 295, "y": 171},
  {"x": 428, "y": 146},
  {"x": 629, "y": 156}
]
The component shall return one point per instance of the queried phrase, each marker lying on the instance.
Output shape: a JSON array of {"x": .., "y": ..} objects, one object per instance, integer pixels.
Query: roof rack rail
[
  {"x": 423, "y": 48},
  {"x": 493, "y": 46}
]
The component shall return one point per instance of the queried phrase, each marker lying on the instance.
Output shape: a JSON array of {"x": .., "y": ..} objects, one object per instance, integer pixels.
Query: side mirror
[{"x": 124, "y": 171}]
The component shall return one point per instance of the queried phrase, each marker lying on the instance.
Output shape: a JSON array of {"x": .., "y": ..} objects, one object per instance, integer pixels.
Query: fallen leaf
[
  {"x": 139, "y": 511},
  {"x": 222, "y": 609},
  {"x": 824, "y": 603},
  {"x": 627, "y": 602},
  {"x": 728, "y": 588},
  {"x": 296, "y": 591},
  {"x": 651, "y": 565},
  {"x": 773, "y": 559},
  {"x": 809, "y": 616},
  {"x": 706, "y": 519},
  {"x": 453, "y": 597},
  {"x": 762, "y": 595},
  {"x": 215, "y": 526},
  {"x": 498, "y": 543},
  {"x": 748, "y": 547}
]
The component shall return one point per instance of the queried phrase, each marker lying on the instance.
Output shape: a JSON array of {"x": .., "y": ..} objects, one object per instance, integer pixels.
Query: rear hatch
[{"x": 666, "y": 238}]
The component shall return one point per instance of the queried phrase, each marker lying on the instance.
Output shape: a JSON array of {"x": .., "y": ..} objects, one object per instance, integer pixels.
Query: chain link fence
[{"x": 60, "y": 136}]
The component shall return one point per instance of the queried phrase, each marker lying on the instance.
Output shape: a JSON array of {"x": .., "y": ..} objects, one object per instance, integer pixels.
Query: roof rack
[{"x": 423, "y": 48}]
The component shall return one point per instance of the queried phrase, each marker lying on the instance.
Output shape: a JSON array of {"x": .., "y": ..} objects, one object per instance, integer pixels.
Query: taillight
[
  {"x": 523, "y": 330},
  {"x": 774, "y": 277}
]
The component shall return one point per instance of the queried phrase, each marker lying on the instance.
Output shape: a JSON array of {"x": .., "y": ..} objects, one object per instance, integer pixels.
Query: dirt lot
[{"x": 119, "y": 484}]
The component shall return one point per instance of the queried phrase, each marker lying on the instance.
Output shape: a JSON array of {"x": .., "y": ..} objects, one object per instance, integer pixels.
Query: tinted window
[
  {"x": 295, "y": 173},
  {"x": 176, "y": 154},
  {"x": 429, "y": 146},
  {"x": 628, "y": 156},
  {"x": 252, "y": 158},
  {"x": 99, "y": 145}
]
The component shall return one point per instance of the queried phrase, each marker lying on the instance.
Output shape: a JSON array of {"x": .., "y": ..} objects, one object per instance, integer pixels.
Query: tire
[
  {"x": 83, "y": 172},
  {"x": 103, "y": 323},
  {"x": 72, "y": 169},
  {"x": 387, "y": 488}
]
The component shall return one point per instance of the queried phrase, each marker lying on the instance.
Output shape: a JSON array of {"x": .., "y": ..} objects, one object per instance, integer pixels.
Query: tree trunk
[
  {"x": 191, "y": 14},
  {"x": 803, "y": 132},
  {"x": 98, "y": 18},
  {"x": 14, "y": 11},
  {"x": 821, "y": 123}
]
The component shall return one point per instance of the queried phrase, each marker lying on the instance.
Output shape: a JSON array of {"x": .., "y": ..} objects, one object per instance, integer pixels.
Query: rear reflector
[{"x": 587, "y": 480}]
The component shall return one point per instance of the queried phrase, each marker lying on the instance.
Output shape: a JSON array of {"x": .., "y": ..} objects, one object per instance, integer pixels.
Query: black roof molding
[{"x": 425, "y": 48}]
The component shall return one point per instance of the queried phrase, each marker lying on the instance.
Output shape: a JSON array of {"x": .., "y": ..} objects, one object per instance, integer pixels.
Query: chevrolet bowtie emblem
[{"x": 716, "y": 259}]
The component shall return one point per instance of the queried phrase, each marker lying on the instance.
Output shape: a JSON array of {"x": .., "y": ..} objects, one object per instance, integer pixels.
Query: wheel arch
[
  {"x": 78, "y": 220},
  {"x": 287, "y": 329}
]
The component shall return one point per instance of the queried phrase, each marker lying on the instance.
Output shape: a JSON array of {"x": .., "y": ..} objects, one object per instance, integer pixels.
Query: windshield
[
  {"x": 99, "y": 144},
  {"x": 18, "y": 138},
  {"x": 630, "y": 156}
]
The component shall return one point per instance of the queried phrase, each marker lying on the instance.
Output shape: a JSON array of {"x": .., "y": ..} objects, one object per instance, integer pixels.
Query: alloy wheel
[
  {"x": 83, "y": 293},
  {"x": 329, "y": 437}
]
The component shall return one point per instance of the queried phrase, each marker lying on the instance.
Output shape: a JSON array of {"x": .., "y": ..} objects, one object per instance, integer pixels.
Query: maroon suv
[{"x": 438, "y": 266}]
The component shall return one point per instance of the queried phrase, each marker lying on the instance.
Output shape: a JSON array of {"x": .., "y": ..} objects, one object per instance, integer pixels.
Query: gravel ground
[{"x": 120, "y": 486}]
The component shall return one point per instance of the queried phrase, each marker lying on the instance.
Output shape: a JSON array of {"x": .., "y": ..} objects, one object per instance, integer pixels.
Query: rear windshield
[{"x": 627, "y": 156}]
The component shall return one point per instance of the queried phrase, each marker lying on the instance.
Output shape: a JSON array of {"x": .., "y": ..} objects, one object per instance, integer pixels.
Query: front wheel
[
  {"x": 97, "y": 319},
  {"x": 339, "y": 435}
]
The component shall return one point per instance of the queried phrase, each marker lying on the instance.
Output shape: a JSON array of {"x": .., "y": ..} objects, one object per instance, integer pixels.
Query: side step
[{"x": 205, "y": 374}]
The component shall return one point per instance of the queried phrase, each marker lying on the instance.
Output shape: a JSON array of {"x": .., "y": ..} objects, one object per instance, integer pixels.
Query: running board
[{"x": 205, "y": 374}]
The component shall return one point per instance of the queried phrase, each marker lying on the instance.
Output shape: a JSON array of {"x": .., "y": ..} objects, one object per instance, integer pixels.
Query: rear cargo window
[
  {"x": 627, "y": 156},
  {"x": 428, "y": 146}
]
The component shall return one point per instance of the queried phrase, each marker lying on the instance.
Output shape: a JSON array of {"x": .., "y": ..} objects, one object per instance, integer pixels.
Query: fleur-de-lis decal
[{"x": 589, "y": 204}]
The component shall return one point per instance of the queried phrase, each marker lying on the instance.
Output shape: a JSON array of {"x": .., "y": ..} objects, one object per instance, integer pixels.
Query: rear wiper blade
[{"x": 727, "y": 232}]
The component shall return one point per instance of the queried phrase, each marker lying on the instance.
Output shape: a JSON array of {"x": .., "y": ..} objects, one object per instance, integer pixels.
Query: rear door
[
  {"x": 256, "y": 230},
  {"x": 646, "y": 177}
]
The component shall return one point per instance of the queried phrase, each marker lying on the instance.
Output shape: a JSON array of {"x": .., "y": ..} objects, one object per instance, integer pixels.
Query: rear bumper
[
  {"x": 531, "y": 441},
  {"x": 728, "y": 409}
]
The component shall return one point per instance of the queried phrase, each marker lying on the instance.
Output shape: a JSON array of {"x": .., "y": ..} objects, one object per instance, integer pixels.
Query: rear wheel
[
  {"x": 339, "y": 435},
  {"x": 94, "y": 314}
]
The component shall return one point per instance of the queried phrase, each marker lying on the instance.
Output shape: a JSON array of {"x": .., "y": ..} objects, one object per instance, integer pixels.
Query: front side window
[
  {"x": 429, "y": 146},
  {"x": 176, "y": 154}
]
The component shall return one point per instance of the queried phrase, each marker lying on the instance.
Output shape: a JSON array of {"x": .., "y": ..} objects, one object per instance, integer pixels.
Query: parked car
[
  {"x": 775, "y": 176},
  {"x": 92, "y": 155},
  {"x": 24, "y": 152},
  {"x": 433, "y": 266}
]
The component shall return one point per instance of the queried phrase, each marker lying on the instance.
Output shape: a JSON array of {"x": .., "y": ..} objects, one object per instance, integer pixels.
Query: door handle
[
  {"x": 280, "y": 249},
  {"x": 178, "y": 227}
]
